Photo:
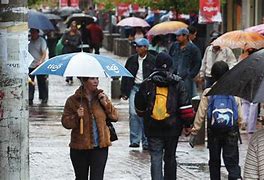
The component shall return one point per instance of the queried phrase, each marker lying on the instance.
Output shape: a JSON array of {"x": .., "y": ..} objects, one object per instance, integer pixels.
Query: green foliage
[{"x": 32, "y": 3}]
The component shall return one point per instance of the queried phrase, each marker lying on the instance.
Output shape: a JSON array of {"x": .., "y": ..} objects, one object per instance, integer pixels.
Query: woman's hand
[
  {"x": 80, "y": 111},
  {"x": 103, "y": 99}
]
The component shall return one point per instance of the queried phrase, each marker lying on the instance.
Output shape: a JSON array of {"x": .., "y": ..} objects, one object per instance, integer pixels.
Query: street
[{"x": 49, "y": 151}]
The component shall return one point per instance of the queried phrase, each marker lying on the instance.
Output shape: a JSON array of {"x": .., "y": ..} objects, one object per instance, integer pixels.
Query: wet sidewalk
[{"x": 49, "y": 151}]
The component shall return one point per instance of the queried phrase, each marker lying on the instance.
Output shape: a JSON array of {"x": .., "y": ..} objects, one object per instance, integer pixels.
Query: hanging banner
[
  {"x": 74, "y": 3},
  {"x": 71, "y": 3},
  {"x": 209, "y": 11},
  {"x": 63, "y": 3},
  {"x": 123, "y": 9}
]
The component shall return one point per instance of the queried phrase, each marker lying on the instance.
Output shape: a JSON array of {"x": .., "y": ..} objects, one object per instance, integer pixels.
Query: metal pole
[{"x": 14, "y": 145}]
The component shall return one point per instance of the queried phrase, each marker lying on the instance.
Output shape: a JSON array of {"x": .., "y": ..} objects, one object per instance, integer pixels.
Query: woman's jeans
[
  {"x": 93, "y": 160},
  {"x": 160, "y": 147},
  {"x": 135, "y": 122}
]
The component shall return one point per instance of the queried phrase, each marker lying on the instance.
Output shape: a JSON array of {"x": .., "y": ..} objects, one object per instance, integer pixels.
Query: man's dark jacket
[
  {"x": 132, "y": 66},
  {"x": 187, "y": 61},
  {"x": 177, "y": 97}
]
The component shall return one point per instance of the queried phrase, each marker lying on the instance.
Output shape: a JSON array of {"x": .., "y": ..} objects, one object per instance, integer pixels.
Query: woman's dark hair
[
  {"x": 218, "y": 70},
  {"x": 83, "y": 79}
]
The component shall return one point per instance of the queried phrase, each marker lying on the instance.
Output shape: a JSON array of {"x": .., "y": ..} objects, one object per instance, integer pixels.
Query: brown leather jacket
[{"x": 70, "y": 120}]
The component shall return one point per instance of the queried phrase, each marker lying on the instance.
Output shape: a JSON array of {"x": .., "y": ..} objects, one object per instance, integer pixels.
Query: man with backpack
[
  {"x": 223, "y": 114},
  {"x": 163, "y": 102}
]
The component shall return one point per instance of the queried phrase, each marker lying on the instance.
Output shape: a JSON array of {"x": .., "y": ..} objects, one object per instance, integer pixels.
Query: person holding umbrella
[
  {"x": 37, "y": 47},
  {"x": 89, "y": 149}
]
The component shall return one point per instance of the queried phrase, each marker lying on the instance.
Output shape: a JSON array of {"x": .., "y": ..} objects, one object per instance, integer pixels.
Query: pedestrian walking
[
  {"x": 158, "y": 44},
  {"x": 71, "y": 39},
  {"x": 186, "y": 60},
  {"x": 89, "y": 150},
  {"x": 37, "y": 47},
  {"x": 223, "y": 114},
  {"x": 254, "y": 164},
  {"x": 163, "y": 102},
  {"x": 140, "y": 65},
  {"x": 214, "y": 54},
  {"x": 249, "y": 109},
  {"x": 96, "y": 36}
]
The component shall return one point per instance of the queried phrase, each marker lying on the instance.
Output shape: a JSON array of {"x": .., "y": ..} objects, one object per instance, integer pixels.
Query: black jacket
[
  {"x": 177, "y": 97},
  {"x": 132, "y": 66}
]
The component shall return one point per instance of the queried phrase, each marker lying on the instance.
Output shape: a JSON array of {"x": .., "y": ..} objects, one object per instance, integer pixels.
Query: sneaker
[{"x": 134, "y": 145}]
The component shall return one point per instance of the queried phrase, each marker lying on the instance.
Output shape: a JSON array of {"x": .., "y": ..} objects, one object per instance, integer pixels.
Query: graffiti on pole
[{"x": 2, "y": 94}]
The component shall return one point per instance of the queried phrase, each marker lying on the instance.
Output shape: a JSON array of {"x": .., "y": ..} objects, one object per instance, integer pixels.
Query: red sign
[
  {"x": 123, "y": 9},
  {"x": 72, "y": 3},
  {"x": 63, "y": 3},
  {"x": 209, "y": 11},
  {"x": 135, "y": 7}
]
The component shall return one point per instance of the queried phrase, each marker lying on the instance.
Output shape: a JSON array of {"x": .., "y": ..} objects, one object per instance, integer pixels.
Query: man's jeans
[
  {"x": 158, "y": 145},
  {"x": 135, "y": 122}
]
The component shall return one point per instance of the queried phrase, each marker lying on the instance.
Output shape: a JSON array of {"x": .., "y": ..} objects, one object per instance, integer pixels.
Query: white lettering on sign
[{"x": 210, "y": 9}]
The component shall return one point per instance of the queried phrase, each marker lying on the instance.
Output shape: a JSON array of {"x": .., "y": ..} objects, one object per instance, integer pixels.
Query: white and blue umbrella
[{"x": 82, "y": 65}]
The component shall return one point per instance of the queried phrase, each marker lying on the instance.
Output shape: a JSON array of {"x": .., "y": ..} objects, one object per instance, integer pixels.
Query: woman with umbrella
[{"x": 89, "y": 149}]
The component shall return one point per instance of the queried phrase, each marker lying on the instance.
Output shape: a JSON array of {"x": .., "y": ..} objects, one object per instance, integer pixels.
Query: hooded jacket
[
  {"x": 177, "y": 98},
  {"x": 70, "y": 120}
]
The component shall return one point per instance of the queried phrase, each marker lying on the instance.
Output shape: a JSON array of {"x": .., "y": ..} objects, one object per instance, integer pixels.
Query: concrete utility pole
[{"x": 14, "y": 146}]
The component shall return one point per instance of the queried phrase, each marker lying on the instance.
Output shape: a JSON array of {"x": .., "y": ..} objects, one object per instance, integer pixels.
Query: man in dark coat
[
  {"x": 163, "y": 134},
  {"x": 186, "y": 60},
  {"x": 140, "y": 65}
]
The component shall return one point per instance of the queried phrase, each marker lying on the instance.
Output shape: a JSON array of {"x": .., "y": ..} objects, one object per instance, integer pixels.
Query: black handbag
[{"x": 113, "y": 135}]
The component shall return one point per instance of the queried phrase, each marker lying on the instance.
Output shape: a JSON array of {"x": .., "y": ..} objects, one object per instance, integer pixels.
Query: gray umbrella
[
  {"x": 245, "y": 80},
  {"x": 52, "y": 16}
]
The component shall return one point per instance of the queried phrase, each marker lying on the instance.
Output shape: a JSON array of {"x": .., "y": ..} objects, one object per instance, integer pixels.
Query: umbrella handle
[{"x": 81, "y": 126}]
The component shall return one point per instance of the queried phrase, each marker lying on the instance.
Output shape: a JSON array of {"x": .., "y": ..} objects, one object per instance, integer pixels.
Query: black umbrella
[
  {"x": 80, "y": 18},
  {"x": 245, "y": 80},
  {"x": 67, "y": 11}
]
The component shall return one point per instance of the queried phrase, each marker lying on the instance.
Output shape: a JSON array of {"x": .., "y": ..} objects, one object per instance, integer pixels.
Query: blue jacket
[{"x": 187, "y": 61}]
